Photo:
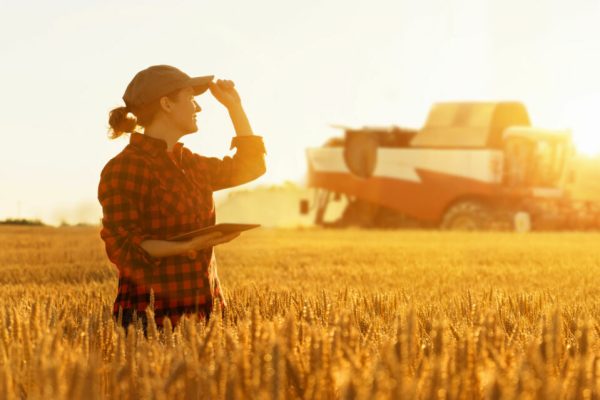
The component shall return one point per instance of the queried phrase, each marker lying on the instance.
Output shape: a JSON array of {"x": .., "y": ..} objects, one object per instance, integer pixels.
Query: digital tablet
[{"x": 223, "y": 228}]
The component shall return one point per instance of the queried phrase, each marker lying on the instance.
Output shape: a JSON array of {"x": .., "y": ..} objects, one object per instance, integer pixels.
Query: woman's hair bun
[{"x": 121, "y": 120}]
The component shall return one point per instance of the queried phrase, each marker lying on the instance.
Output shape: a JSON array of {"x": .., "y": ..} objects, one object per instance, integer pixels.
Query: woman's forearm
[
  {"x": 240, "y": 121},
  {"x": 164, "y": 248}
]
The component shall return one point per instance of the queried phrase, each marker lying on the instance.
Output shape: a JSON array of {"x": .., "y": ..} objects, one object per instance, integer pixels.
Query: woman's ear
[{"x": 165, "y": 104}]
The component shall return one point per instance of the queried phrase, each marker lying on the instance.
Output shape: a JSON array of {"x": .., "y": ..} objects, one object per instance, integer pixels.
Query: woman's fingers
[
  {"x": 207, "y": 237},
  {"x": 225, "y": 239},
  {"x": 201, "y": 241},
  {"x": 210, "y": 240},
  {"x": 192, "y": 254},
  {"x": 224, "y": 91},
  {"x": 225, "y": 83}
]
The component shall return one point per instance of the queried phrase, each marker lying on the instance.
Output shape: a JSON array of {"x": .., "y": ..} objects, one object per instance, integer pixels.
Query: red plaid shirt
[{"x": 145, "y": 195}]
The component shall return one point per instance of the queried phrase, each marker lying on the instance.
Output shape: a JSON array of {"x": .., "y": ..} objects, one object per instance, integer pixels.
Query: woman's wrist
[
  {"x": 188, "y": 250},
  {"x": 235, "y": 107},
  {"x": 165, "y": 248},
  {"x": 240, "y": 120}
]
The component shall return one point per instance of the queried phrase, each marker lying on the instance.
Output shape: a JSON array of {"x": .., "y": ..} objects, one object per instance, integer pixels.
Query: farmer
[{"x": 156, "y": 188}]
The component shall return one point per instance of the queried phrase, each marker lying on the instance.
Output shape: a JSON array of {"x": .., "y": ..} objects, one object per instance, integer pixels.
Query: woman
[{"x": 156, "y": 188}]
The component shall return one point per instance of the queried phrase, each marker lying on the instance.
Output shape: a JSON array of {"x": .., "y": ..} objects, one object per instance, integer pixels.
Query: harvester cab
[{"x": 537, "y": 158}]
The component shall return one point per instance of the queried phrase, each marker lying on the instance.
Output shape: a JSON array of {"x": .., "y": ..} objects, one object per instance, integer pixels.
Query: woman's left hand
[{"x": 224, "y": 91}]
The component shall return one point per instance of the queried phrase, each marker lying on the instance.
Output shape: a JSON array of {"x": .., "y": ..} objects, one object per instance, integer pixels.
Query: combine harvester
[{"x": 473, "y": 166}]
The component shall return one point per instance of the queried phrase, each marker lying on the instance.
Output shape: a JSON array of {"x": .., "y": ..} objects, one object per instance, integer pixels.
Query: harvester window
[
  {"x": 519, "y": 155},
  {"x": 543, "y": 165}
]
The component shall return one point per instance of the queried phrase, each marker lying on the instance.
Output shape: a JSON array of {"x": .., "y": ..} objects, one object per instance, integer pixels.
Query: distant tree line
[{"x": 22, "y": 221}]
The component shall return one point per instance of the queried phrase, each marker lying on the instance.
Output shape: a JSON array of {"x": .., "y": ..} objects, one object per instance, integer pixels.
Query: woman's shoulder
[
  {"x": 187, "y": 153},
  {"x": 193, "y": 159},
  {"x": 124, "y": 173},
  {"x": 126, "y": 163}
]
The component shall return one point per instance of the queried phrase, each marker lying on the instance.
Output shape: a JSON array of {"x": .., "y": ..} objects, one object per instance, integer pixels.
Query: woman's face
[{"x": 183, "y": 111}]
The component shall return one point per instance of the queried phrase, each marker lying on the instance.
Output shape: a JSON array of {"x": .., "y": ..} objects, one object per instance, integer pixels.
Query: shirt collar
[{"x": 151, "y": 145}]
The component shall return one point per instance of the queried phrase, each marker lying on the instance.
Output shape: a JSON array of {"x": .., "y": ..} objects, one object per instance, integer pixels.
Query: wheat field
[{"x": 314, "y": 314}]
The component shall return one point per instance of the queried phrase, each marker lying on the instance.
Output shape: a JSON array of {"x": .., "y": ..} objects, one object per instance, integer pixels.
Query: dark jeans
[{"x": 127, "y": 318}]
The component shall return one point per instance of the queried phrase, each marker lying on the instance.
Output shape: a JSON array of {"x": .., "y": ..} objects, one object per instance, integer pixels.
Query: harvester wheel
[
  {"x": 359, "y": 213},
  {"x": 466, "y": 216}
]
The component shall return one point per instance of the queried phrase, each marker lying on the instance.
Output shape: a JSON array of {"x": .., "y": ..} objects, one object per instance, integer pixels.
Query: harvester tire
[
  {"x": 466, "y": 216},
  {"x": 360, "y": 214}
]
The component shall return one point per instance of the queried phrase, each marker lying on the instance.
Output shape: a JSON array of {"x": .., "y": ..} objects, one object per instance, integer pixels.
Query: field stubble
[{"x": 316, "y": 314}]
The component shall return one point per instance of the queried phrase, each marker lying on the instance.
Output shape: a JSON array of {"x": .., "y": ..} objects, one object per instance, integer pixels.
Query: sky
[{"x": 299, "y": 67}]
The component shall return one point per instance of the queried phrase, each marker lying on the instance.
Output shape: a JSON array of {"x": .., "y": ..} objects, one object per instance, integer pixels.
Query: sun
[
  {"x": 580, "y": 115},
  {"x": 587, "y": 141}
]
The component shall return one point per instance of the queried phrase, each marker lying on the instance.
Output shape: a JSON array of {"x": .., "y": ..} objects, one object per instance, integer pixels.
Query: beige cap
[{"x": 159, "y": 80}]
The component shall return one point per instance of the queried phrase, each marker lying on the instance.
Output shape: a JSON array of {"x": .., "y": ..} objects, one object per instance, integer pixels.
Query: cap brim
[{"x": 200, "y": 84}]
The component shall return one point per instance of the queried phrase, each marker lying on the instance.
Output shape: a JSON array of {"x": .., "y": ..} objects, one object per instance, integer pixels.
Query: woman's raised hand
[{"x": 224, "y": 91}]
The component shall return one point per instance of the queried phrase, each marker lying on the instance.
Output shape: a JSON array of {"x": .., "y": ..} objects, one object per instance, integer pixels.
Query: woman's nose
[{"x": 198, "y": 108}]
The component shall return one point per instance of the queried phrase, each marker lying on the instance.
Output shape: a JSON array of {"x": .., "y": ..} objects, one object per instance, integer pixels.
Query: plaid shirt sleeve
[
  {"x": 247, "y": 164},
  {"x": 122, "y": 188}
]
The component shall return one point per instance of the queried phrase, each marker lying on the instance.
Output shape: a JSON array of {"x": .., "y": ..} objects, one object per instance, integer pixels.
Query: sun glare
[
  {"x": 580, "y": 116},
  {"x": 587, "y": 142}
]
